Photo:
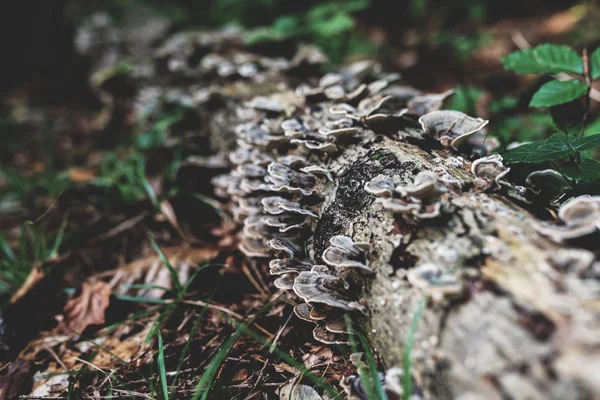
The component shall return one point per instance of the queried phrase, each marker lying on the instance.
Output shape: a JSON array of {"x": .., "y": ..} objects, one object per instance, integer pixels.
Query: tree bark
[{"x": 527, "y": 327}]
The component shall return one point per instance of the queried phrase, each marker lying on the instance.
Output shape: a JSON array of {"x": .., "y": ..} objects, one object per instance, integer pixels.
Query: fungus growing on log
[{"x": 357, "y": 220}]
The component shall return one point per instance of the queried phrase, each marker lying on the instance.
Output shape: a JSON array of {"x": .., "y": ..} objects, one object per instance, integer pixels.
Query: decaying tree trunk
[
  {"x": 520, "y": 317},
  {"x": 528, "y": 325}
]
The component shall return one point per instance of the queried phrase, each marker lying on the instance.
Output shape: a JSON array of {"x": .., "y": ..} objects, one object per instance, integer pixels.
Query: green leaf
[
  {"x": 587, "y": 171},
  {"x": 465, "y": 99},
  {"x": 558, "y": 92},
  {"x": 595, "y": 64},
  {"x": 544, "y": 59},
  {"x": 174, "y": 277},
  {"x": 286, "y": 26},
  {"x": 585, "y": 142},
  {"x": 335, "y": 25},
  {"x": 555, "y": 147},
  {"x": 161, "y": 368}
]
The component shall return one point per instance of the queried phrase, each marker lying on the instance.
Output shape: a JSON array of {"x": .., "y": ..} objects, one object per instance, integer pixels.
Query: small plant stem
[{"x": 588, "y": 82}]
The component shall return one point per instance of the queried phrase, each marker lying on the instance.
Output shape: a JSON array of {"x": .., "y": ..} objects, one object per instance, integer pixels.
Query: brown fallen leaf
[
  {"x": 16, "y": 380},
  {"x": 150, "y": 270},
  {"x": 321, "y": 356},
  {"x": 82, "y": 175},
  {"x": 88, "y": 308},
  {"x": 125, "y": 344}
]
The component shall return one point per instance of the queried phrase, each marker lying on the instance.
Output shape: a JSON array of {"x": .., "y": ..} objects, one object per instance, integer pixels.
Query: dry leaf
[
  {"x": 14, "y": 381},
  {"x": 82, "y": 175},
  {"x": 151, "y": 271},
  {"x": 319, "y": 357},
  {"x": 240, "y": 375},
  {"x": 50, "y": 383},
  {"x": 88, "y": 308},
  {"x": 124, "y": 344},
  {"x": 293, "y": 391}
]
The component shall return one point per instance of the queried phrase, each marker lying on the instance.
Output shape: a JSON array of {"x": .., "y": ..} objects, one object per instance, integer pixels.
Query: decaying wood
[
  {"x": 527, "y": 328},
  {"x": 527, "y": 325}
]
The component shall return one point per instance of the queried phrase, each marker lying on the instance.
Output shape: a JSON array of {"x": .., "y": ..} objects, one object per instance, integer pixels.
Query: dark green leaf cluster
[
  {"x": 566, "y": 150},
  {"x": 330, "y": 25},
  {"x": 556, "y": 147},
  {"x": 555, "y": 59}
]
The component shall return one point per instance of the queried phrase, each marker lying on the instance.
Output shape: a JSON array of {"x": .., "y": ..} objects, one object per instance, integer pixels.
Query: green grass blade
[
  {"x": 407, "y": 362},
  {"x": 367, "y": 371},
  {"x": 6, "y": 249},
  {"x": 318, "y": 381},
  {"x": 206, "y": 380},
  {"x": 201, "y": 268},
  {"x": 162, "y": 371},
  {"x": 140, "y": 299},
  {"x": 174, "y": 277},
  {"x": 189, "y": 341},
  {"x": 59, "y": 238}
]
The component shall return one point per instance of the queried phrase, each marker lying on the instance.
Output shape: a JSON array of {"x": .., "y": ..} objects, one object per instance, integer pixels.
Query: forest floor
[{"x": 120, "y": 270}]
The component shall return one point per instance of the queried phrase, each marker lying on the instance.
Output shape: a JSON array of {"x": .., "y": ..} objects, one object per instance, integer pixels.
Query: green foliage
[
  {"x": 595, "y": 64},
  {"x": 330, "y": 25},
  {"x": 463, "y": 45},
  {"x": 566, "y": 151},
  {"x": 553, "y": 59},
  {"x": 557, "y": 146},
  {"x": 587, "y": 171},
  {"x": 162, "y": 371},
  {"x": 558, "y": 92},
  {"x": 465, "y": 99},
  {"x": 544, "y": 59},
  {"x": 35, "y": 247}
]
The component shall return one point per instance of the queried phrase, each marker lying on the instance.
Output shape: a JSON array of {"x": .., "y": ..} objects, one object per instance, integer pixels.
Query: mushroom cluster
[
  {"x": 419, "y": 199},
  {"x": 488, "y": 172},
  {"x": 285, "y": 147}
]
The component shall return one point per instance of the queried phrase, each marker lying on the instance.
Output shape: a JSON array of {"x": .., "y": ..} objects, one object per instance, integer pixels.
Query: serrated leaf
[
  {"x": 585, "y": 142},
  {"x": 555, "y": 147},
  {"x": 587, "y": 171},
  {"x": 544, "y": 59},
  {"x": 558, "y": 92},
  {"x": 595, "y": 64}
]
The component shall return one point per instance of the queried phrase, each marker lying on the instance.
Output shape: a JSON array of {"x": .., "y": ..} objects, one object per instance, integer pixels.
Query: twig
[
  {"x": 253, "y": 280},
  {"x": 224, "y": 310},
  {"x": 274, "y": 344},
  {"x": 58, "y": 360},
  {"x": 123, "y": 226},
  {"x": 50, "y": 207},
  {"x": 588, "y": 81}
]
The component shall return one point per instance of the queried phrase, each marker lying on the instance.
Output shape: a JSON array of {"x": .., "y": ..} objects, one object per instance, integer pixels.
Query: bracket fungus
[
  {"x": 424, "y": 104},
  {"x": 548, "y": 183},
  {"x": 488, "y": 171},
  {"x": 580, "y": 217},
  {"x": 451, "y": 128},
  {"x": 283, "y": 173},
  {"x": 418, "y": 199},
  {"x": 381, "y": 186},
  {"x": 325, "y": 288}
]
